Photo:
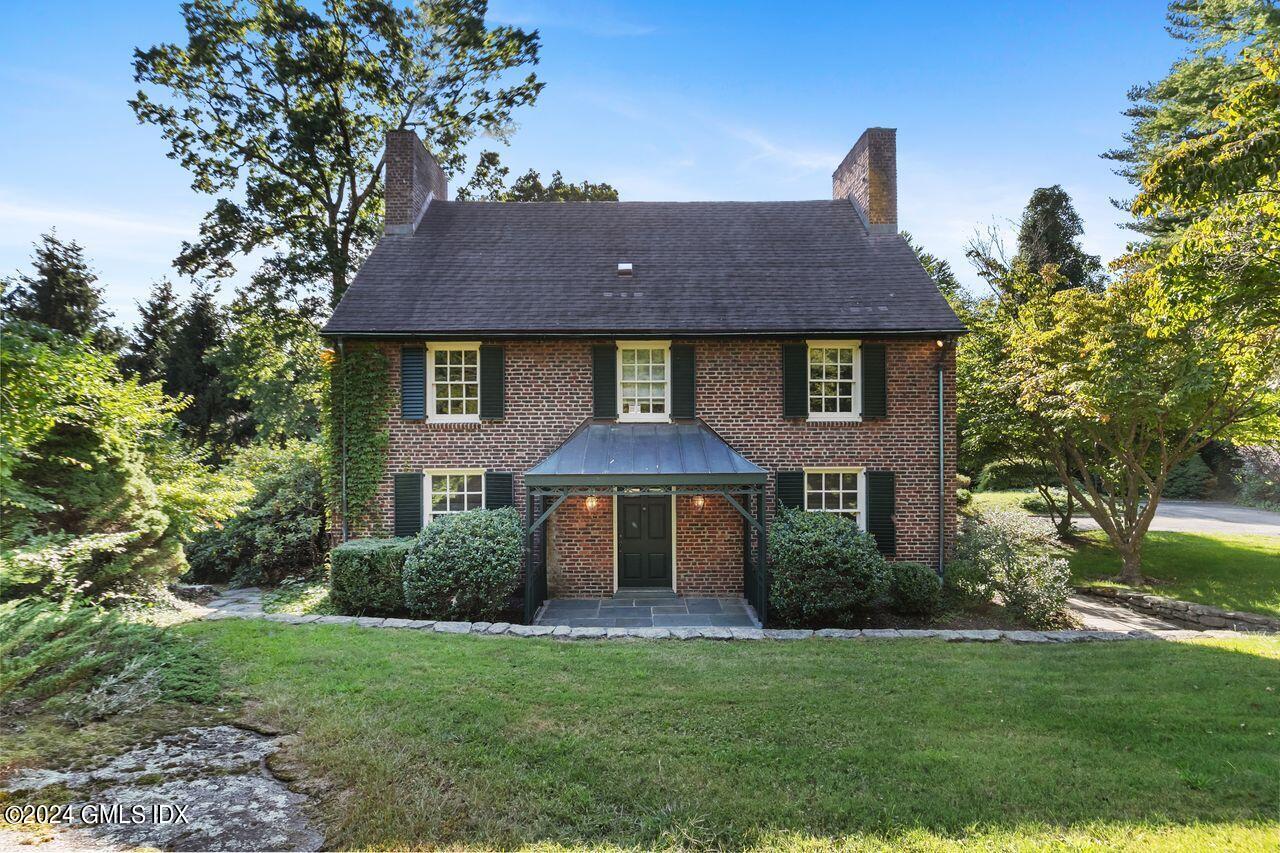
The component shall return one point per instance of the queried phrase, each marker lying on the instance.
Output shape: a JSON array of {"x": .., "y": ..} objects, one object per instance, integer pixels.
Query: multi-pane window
[
  {"x": 453, "y": 491},
  {"x": 455, "y": 382},
  {"x": 834, "y": 490},
  {"x": 643, "y": 382},
  {"x": 833, "y": 391}
]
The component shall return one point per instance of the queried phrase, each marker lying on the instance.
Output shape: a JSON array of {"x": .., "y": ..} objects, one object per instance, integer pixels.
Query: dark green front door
[{"x": 644, "y": 542}]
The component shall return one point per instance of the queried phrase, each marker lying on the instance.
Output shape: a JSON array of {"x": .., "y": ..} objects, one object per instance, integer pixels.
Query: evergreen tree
[
  {"x": 214, "y": 419},
  {"x": 1050, "y": 234},
  {"x": 62, "y": 294},
  {"x": 942, "y": 274},
  {"x": 154, "y": 335}
]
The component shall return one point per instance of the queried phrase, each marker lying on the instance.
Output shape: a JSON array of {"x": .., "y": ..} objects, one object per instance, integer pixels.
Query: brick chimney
[
  {"x": 414, "y": 178},
  {"x": 868, "y": 176}
]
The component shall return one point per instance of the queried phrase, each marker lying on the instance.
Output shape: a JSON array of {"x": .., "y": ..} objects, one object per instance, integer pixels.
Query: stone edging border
[
  {"x": 1185, "y": 612},
  {"x": 564, "y": 632}
]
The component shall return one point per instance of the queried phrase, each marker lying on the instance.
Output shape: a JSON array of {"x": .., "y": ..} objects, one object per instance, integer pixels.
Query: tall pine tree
[
  {"x": 215, "y": 419},
  {"x": 62, "y": 294},
  {"x": 148, "y": 349},
  {"x": 1050, "y": 233}
]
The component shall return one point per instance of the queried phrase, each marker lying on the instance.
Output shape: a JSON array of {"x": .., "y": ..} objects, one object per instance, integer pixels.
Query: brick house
[{"x": 648, "y": 381}]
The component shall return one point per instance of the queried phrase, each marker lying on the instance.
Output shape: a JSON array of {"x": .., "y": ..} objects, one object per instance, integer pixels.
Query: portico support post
[
  {"x": 762, "y": 564},
  {"x": 529, "y": 606}
]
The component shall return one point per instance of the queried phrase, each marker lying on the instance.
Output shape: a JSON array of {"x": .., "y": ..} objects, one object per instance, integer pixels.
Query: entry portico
[{"x": 633, "y": 497}]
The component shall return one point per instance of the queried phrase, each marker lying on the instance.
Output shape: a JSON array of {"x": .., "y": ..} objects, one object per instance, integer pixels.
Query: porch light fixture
[
  {"x": 591, "y": 502},
  {"x": 940, "y": 343},
  {"x": 699, "y": 501}
]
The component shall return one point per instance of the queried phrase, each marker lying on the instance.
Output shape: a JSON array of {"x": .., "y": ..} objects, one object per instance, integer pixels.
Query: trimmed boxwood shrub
[
  {"x": 367, "y": 575},
  {"x": 824, "y": 568},
  {"x": 465, "y": 566},
  {"x": 914, "y": 588}
]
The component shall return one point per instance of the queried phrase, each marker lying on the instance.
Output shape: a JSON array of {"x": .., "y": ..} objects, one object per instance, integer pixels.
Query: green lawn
[
  {"x": 444, "y": 741},
  {"x": 1232, "y": 572},
  {"x": 1009, "y": 499}
]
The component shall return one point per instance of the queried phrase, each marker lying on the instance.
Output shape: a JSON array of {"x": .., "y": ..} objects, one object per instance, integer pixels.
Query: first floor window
[
  {"x": 836, "y": 490},
  {"x": 455, "y": 382},
  {"x": 832, "y": 380},
  {"x": 642, "y": 381},
  {"x": 453, "y": 491}
]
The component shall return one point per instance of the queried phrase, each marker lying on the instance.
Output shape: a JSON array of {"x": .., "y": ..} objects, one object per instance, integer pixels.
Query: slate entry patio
[{"x": 648, "y": 608}]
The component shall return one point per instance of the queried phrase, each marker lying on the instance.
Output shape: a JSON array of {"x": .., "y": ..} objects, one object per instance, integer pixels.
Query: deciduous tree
[{"x": 280, "y": 108}]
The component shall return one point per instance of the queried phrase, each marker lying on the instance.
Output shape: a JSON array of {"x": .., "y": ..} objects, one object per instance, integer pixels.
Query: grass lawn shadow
[
  {"x": 1231, "y": 572},
  {"x": 434, "y": 741}
]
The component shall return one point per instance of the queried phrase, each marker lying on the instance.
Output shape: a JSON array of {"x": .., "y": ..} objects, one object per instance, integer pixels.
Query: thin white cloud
[
  {"x": 28, "y": 215},
  {"x": 800, "y": 158}
]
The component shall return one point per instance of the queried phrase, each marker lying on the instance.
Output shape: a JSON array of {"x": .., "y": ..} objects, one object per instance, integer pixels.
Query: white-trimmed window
[
  {"x": 839, "y": 490},
  {"x": 835, "y": 394},
  {"x": 644, "y": 380},
  {"x": 448, "y": 492},
  {"x": 453, "y": 382}
]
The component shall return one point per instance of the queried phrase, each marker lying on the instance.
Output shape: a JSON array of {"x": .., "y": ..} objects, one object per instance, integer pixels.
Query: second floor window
[
  {"x": 454, "y": 378},
  {"x": 644, "y": 381},
  {"x": 833, "y": 387}
]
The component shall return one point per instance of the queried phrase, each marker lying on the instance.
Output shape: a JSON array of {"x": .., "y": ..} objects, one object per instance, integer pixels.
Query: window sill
[
  {"x": 449, "y": 425},
  {"x": 851, "y": 419},
  {"x": 624, "y": 419}
]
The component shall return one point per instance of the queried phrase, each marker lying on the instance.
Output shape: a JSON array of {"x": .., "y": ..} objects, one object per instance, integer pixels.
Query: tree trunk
[{"x": 1131, "y": 566}]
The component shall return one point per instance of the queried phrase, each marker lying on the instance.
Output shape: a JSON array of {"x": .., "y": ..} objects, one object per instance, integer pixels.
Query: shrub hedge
[
  {"x": 367, "y": 575},
  {"x": 1015, "y": 474},
  {"x": 824, "y": 568},
  {"x": 914, "y": 588},
  {"x": 465, "y": 566}
]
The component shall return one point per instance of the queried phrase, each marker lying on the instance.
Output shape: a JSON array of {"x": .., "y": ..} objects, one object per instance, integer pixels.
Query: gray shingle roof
[
  {"x": 607, "y": 453},
  {"x": 700, "y": 267}
]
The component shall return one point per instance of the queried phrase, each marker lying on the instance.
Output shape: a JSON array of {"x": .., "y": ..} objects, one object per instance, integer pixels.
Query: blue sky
[{"x": 665, "y": 100}]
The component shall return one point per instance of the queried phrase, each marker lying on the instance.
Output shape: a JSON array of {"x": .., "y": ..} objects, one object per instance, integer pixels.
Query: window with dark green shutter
[
  {"x": 499, "y": 487},
  {"x": 880, "y": 509},
  {"x": 790, "y": 489},
  {"x": 408, "y": 504},
  {"x": 492, "y": 382},
  {"x": 875, "y": 384},
  {"x": 795, "y": 380},
  {"x": 413, "y": 382},
  {"x": 683, "y": 381},
  {"x": 604, "y": 380}
]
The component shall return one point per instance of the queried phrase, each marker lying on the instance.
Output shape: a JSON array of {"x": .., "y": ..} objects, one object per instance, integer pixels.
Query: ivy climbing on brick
[{"x": 360, "y": 394}]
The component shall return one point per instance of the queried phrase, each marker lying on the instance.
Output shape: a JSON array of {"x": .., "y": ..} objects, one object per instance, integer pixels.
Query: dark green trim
[
  {"x": 492, "y": 383},
  {"x": 408, "y": 504},
  {"x": 880, "y": 508},
  {"x": 790, "y": 489},
  {"x": 683, "y": 381},
  {"x": 499, "y": 489},
  {"x": 644, "y": 479},
  {"x": 604, "y": 380},
  {"x": 413, "y": 383},
  {"x": 795, "y": 380},
  {"x": 875, "y": 382}
]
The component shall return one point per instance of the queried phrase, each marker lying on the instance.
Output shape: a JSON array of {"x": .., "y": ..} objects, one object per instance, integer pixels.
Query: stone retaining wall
[{"x": 1199, "y": 616}]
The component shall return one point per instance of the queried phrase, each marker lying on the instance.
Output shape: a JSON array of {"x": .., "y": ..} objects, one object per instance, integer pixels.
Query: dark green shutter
[
  {"x": 791, "y": 489},
  {"x": 604, "y": 380},
  {"x": 492, "y": 383},
  {"x": 683, "y": 371},
  {"x": 875, "y": 384},
  {"x": 499, "y": 488},
  {"x": 880, "y": 506},
  {"x": 413, "y": 382},
  {"x": 408, "y": 504},
  {"x": 795, "y": 381}
]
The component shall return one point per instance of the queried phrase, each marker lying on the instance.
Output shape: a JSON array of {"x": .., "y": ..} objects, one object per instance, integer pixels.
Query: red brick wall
[
  {"x": 708, "y": 547},
  {"x": 739, "y": 394},
  {"x": 580, "y": 556}
]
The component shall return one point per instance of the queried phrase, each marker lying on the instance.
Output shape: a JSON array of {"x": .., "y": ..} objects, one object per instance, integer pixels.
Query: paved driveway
[{"x": 1206, "y": 517}]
